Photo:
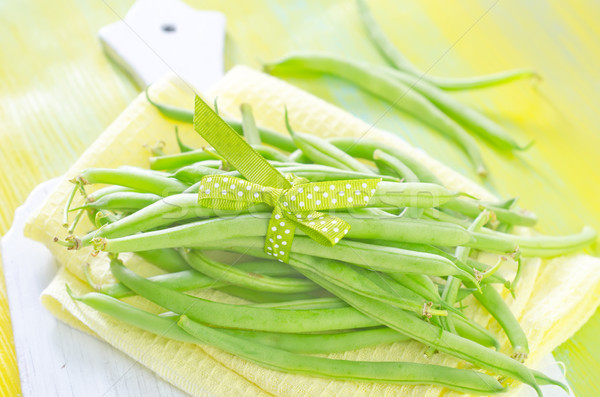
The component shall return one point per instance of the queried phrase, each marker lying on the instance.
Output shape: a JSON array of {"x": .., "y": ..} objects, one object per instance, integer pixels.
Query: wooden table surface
[{"x": 58, "y": 91}]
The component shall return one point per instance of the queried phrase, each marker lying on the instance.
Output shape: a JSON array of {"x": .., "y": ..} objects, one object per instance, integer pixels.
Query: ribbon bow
[
  {"x": 296, "y": 202},
  {"x": 296, "y": 206}
]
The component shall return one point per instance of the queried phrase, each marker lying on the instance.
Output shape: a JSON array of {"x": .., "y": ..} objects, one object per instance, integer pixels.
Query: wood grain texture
[{"x": 58, "y": 92}]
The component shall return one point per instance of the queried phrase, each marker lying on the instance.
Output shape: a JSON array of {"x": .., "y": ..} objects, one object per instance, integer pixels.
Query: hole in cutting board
[{"x": 169, "y": 28}]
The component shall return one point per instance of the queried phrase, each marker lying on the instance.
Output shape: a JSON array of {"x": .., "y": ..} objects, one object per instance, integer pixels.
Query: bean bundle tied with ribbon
[
  {"x": 296, "y": 202},
  {"x": 381, "y": 284}
]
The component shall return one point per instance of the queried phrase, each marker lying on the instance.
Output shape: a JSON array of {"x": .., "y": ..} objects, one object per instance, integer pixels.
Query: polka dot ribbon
[{"x": 296, "y": 206}]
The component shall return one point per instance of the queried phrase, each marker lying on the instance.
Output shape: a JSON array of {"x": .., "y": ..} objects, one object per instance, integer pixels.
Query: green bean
[
  {"x": 321, "y": 343},
  {"x": 165, "y": 327},
  {"x": 232, "y": 316},
  {"x": 491, "y": 300},
  {"x": 298, "y": 156},
  {"x": 182, "y": 146},
  {"x": 397, "y": 166},
  {"x": 396, "y": 93},
  {"x": 322, "y": 152},
  {"x": 178, "y": 160},
  {"x": 441, "y": 216},
  {"x": 411, "y": 194},
  {"x": 550, "y": 246},
  {"x": 316, "y": 303},
  {"x": 199, "y": 234},
  {"x": 249, "y": 125},
  {"x": 366, "y": 371},
  {"x": 270, "y": 154},
  {"x": 408, "y": 324},
  {"x": 482, "y": 268},
  {"x": 185, "y": 280},
  {"x": 256, "y": 296},
  {"x": 167, "y": 259},
  {"x": 194, "y": 172},
  {"x": 134, "y": 178},
  {"x": 385, "y": 259},
  {"x": 320, "y": 173},
  {"x": 122, "y": 201},
  {"x": 469, "y": 329},
  {"x": 164, "y": 212},
  {"x": 356, "y": 279},
  {"x": 96, "y": 195},
  {"x": 187, "y": 116},
  {"x": 463, "y": 114},
  {"x": 472, "y": 208},
  {"x": 450, "y": 293},
  {"x": 419, "y": 284},
  {"x": 395, "y": 58},
  {"x": 533, "y": 246},
  {"x": 365, "y": 149},
  {"x": 239, "y": 277}
]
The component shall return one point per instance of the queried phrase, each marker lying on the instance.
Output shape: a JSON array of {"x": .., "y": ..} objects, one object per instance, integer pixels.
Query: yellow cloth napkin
[{"x": 554, "y": 298}]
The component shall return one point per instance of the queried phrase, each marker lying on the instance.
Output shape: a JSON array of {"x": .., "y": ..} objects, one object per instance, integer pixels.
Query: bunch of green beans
[{"x": 401, "y": 273}]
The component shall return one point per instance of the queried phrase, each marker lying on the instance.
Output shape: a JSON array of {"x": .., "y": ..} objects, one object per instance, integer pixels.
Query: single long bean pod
[
  {"x": 96, "y": 195},
  {"x": 316, "y": 303},
  {"x": 497, "y": 307},
  {"x": 234, "y": 316},
  {"x": 163, "y": 326},
  {"x": 135, "y": 178},
  {"x": 472, "y": 208},
  {"x": 122, "y": 201},
  {"x": 397, "y": 166},
  {"x": 321, "y": 343},
  {"x": 431, "y": 335},
  {"x": 236, "y": 276},
  {"x": 365, "y": 149},
  {"x": 258, "y": 297},
  {"x": 218, "y": 230},
  {"x": 249, "y": 125},
  {"x": 322, "y": 152},
  {"x": 185, "y": 280},
  {"x": 533, "y": 246},
  {"x": 167, "y": 259},
  {"x": 550, "y": 246},
  {"x": 312, "y": 172},
  {"x": 471, "y": 119},
  {"x": 366, "y": 371},
  {"x": 178, "y": 160},
  {"x": 396, "y": 93},
  {"x": 267, "y": 135},
  {"x": 395, "y": 58},
  {"x": 194, "y": 172}
]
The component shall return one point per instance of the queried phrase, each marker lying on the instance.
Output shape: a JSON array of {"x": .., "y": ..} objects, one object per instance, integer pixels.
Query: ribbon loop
[{"x": 296, "y": 206}]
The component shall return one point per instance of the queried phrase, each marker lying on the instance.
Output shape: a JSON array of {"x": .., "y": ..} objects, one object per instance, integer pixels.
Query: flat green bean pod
[
  {"x": 236, "y": 276},
  {"x": 366, "y": 371}
]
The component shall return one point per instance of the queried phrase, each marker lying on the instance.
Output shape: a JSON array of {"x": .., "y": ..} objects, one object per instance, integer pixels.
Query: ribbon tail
[{"x": 280, "y": 234}]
